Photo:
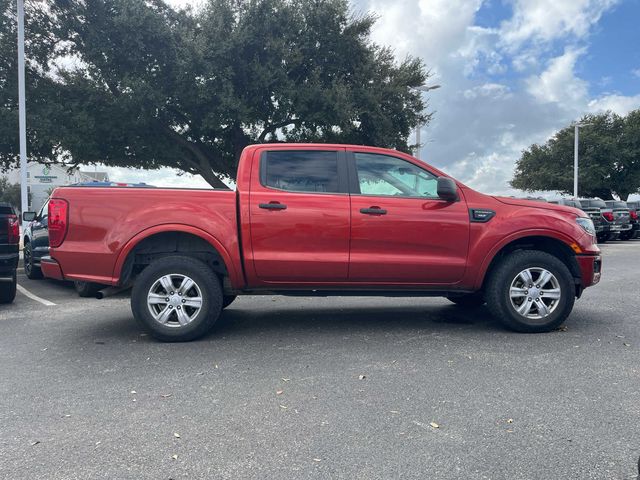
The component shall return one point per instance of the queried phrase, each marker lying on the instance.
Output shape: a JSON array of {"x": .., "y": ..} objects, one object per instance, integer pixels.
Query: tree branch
[{"x": 272, "y": 128}]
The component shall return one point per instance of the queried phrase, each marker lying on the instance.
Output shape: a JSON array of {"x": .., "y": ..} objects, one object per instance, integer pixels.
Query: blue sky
[{"x": 512, "y": 72}]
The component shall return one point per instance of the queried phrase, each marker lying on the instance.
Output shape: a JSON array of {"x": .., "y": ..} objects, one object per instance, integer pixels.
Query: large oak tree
[
  {"x": 609, "y": 159},
  {"x": 137, "y": 83}
]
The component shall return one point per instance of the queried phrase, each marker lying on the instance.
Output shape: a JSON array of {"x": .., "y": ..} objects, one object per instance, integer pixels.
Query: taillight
[
  {"x": 633, "y": 214},
  {"x": 608, "y": 216},
  {"x": 58, "y": 210},
  {"x": 13, "y": 230}
]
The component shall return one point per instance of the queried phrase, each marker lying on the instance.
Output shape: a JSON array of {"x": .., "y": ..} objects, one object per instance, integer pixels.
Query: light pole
[
  {"x": 575, "y": 157},
  {"x": 422, "y": 88},
  {"x": 22, "y": 117}
]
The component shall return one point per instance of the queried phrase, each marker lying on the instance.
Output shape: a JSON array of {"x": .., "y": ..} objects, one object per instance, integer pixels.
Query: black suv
[
  {"x": 9, "y": 239},
  {"x": 593, "y": 207},
  {"x": 621, "y": 217},
  {"x": 634, "y": 208}
]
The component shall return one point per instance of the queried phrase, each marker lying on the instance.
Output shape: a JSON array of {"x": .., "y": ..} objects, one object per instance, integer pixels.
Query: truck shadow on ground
[{"x": 275, "y": 323}]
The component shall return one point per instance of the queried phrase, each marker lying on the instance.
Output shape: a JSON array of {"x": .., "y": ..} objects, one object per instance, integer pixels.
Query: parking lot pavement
[{"x": 323, "y": 388}]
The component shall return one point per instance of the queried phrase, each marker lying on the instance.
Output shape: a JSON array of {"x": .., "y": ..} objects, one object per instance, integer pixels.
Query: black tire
[
  {"x": 207, "y": 283},
  {"x": 499, "y": 286},
  {"x": 228, "y": 300},
  {"x": 8, "y": 290},
  {"x": 469, "y": 300},
  {"x": 87, "y": 289},
  {"x": 31, "y": 271}
]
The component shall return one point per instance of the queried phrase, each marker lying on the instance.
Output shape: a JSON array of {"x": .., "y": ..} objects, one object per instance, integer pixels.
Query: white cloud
[
  {"x": 558, "y": 83},
  {"x": 547, "y": 20},
  {"x": 619, "y": 104},
  {"x": 636, "y": 72}
]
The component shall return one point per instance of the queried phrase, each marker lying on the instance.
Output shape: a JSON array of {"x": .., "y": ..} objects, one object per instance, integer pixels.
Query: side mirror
[
  {"x": 28, "y": 216},
  {"x": 447, "y": 189}
]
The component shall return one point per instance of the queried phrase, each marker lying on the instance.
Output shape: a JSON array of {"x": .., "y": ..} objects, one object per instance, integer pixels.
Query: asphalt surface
[{"x": 353, "y": 388}]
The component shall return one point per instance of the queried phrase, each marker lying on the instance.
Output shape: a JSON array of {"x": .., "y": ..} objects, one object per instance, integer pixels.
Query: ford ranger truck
[{"x": 309, "y": 219}]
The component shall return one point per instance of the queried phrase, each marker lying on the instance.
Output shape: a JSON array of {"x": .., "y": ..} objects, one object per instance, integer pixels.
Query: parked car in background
[
  {"x": 35, "y": 239},
  {"x": 321, "y": 219},
  {"x": 634, "y": 208},
  {"x": 593, "y": 207},
  {"x": 619, "y": 212},
  {"x": 567, "y": 202},
  {"x": 9, "y": 240}
]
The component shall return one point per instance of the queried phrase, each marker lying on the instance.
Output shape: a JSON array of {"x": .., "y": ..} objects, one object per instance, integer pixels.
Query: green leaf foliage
[
  {"x": 608, "y": 153},
  {"x": 139, "y": 84}
]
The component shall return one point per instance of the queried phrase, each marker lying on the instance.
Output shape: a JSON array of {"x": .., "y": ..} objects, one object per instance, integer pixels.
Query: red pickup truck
[{"x": 322, "y": 220}]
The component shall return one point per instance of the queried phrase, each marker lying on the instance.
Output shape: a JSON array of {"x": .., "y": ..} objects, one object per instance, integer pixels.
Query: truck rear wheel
[
  {"x": 177, "y": 299},
  {"x": 530, "y": 291}
]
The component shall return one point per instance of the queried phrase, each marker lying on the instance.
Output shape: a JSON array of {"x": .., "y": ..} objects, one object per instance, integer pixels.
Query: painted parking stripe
[{"x": 32, "y": 296}]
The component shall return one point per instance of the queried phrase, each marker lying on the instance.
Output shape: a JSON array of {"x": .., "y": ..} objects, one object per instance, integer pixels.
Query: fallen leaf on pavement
[
  {"x": 362, "y": 377},
  {"x": 626, "y": 344},
  {"x": 35, "y": 443},
  {"x": 317, "y": 460},
  {"x": 133, "y": 392},
  {"x": 175, "y": 457},
  {"x": 286, "y": 379},
  {"x": 510, "y": 420},
  {"x": 284, "y": 407},
  {"x": 177, "y": 435},
  {"x": 279, "y": 392},
  {"x": 166, "y": 395},
  {"x": 434, "y": 425}
]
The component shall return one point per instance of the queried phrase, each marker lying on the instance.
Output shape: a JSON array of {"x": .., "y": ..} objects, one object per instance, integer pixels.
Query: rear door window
[{"x": 301, "y": 171}]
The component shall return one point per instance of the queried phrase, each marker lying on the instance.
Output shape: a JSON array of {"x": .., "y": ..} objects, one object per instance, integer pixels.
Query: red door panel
[
  {"x": 401, "y": 232},
  {"x": 308, "y": 241},
  {"x": 300, "y": 236},
  {"x": 416, "y": 241}
]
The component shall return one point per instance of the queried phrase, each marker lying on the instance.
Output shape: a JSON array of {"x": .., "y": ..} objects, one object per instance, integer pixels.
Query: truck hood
[{"x": 542, "y": 205}]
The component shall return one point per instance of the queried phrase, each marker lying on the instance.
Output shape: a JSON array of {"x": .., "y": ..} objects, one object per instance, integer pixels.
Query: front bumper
[
  {"x": 590, "y": 269},
  {"x": 51, "y": 268}
]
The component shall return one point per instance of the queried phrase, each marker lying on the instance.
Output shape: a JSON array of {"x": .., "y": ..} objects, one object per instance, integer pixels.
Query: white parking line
[{"x": 32, "y": 296}]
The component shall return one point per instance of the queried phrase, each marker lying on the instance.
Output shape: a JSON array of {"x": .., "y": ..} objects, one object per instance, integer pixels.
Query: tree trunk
[
  {"x": 200, "y": 162},
  {"x": 212, "y": 179}
]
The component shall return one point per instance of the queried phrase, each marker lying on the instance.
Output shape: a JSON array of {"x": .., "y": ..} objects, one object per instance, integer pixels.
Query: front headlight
[{"x": 587, "y": 225}]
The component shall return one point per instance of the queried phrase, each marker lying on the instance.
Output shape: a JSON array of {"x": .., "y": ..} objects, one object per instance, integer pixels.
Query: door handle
[
  {"x": 273, "y": 206},
  {"x": 373, "y": 211}
]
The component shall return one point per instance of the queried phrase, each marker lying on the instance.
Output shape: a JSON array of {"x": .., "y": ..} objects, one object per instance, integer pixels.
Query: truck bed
[{"x": 104, "y": 220}]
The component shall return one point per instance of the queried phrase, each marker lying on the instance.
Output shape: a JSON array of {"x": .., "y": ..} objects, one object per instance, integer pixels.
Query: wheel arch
[
  {"x": 557, "y": 245},
  {"x": 165, "y": 240}
]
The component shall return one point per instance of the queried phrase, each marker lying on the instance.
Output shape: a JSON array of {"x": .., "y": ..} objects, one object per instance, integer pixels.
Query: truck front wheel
[
  {"x": 530, "y": 291},
  {"x": 177, "y": 299}
]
